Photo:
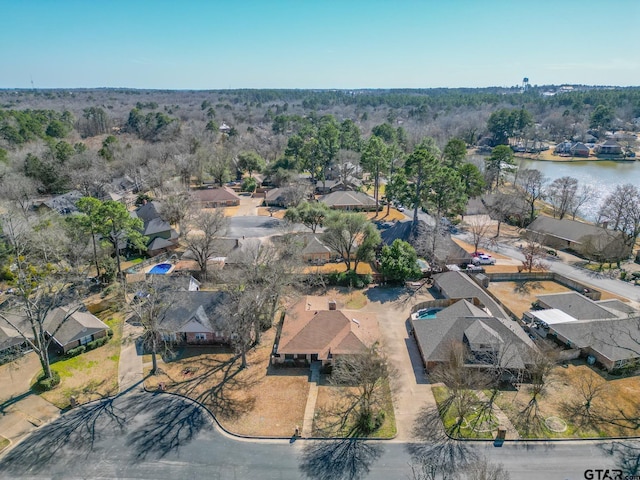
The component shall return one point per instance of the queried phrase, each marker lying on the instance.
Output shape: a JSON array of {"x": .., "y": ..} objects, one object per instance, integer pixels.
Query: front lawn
[
  {"x": 474, "y": 424},
  {"x": 260, "y": 400},
  {"x": 333, "y": 418},
  {"x": 91, "y": 375}
]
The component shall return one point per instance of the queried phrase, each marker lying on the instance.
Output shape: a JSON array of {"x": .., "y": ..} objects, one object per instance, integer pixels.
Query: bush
[
  {"x": 249, "y": 184},
  {"x": 74, "y": 352},
  {"x": 110, "y": 333},
  {"x": 349, "y": 279},
  {"x": 46, "y": 384},
  {"x": 97, "y": 343}
]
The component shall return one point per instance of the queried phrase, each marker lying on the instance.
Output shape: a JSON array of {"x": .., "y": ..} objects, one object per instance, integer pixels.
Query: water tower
[{"x": 525, "y": 84}]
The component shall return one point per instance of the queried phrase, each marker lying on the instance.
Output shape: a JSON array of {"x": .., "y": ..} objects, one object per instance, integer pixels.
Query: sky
[{"x": 344, "y": 44}]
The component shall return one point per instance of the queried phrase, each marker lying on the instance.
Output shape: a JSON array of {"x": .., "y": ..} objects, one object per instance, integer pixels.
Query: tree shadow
[
  {"x": 344, "y": 459},
  {"x": 526, "y": 287},
  {"x": 626, "y": 455},
  {"x": 169, "y": 427},
  {"x": 385, "y": 294},
  {"x": 435, "y": 450},
  {"x": 78, "y": 430},
  {"x": 218, "y": 386}
]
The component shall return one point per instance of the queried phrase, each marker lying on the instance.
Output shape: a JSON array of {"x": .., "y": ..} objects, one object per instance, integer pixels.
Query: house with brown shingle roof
[
  {"x": 315, "y": 330},
  {"x": 216, "y": 197}
]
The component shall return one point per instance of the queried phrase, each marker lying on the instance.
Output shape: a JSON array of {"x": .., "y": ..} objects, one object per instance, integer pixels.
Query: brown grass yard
[
  {"x": 518, "y": 296},
  {"x": 363, "y": 268},
  {"x": 618, "y": 398},
  {"x": 259, "y": 400},
  {"x": 91, "y": 375}
]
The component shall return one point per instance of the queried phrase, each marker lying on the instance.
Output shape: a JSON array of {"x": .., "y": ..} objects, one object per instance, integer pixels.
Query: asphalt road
[
  {"x": 159, "y": 436},
  {"x": 598, "y": 280}
]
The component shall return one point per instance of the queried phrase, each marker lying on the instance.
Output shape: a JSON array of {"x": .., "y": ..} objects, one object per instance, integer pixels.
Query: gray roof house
[
  {"x": 195, "y": 318},
  {"x": 64, "y": 204},
  {"x": 607, "y": 330},
  {"x": 160, "y": 236},
  {"x": 349, "y": 200},
  {"x": 591, "y": 241},
  {"x": 71, "y": 328},
  {"x": 489, "y": 342}
]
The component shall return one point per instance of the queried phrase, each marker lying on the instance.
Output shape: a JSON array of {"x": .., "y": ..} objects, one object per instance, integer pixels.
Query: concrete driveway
[
  {"x": 410, "y": 385},
  {"x": 22, "y": 411}
]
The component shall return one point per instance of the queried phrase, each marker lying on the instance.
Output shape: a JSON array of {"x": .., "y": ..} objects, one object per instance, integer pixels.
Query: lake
[{"x": 604, "y": 176}]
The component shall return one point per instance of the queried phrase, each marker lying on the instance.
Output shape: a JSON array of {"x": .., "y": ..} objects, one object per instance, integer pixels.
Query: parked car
[{"x": 483, "y": 260}]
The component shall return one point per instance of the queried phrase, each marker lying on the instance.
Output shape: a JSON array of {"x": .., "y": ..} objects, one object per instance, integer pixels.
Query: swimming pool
[
  {"x": 160, "y": 269},
  {"x": 427, "y": 313}
]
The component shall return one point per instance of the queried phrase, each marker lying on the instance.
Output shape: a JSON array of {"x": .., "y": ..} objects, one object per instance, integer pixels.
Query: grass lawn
[
  {"x": 259, "y": 400},
  {"x": 563, "y": 400},
  {"x": 91, "y": 375},
  {"x": 355, "y": 300},
  {"x": 275, "y": 212},
  {"x": 328, "y": 420},
  {"x": 4, "y": 443},
  {"x": 451, "y": 417}
]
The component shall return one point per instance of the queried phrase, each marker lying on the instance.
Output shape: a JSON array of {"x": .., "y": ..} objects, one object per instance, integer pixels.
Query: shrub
[
  {"x": 46, "y": 384},
  {"x": 349, "y": 279},
  {"x": 74, "y": 352},
  {"x": 110, "y": 333},
  {"x": 97, "y": 343}
]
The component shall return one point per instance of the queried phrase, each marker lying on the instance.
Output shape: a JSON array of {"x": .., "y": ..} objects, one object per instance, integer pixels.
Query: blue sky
[{"x": 317, "y": 44}]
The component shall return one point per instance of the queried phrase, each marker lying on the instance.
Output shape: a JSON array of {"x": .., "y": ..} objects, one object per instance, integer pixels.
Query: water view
[{"x": 602, "y": 175}]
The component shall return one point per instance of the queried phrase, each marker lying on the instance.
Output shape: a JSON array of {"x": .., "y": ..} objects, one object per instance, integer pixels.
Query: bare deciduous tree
[
  {"x": 202, "y": 237},
  {"x": 479, "y": 226}
]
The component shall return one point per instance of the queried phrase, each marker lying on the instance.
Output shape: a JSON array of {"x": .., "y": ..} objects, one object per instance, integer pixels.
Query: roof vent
[{"x": 356, "y": 322}]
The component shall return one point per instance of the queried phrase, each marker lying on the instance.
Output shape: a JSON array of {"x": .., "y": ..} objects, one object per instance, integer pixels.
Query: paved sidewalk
[
  {"x": 312, "y": 397},
  {"x": 130, "y": 370}
]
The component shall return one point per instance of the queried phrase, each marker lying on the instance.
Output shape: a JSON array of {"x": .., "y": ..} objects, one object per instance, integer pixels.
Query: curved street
[{"x": 160, "y": 436}]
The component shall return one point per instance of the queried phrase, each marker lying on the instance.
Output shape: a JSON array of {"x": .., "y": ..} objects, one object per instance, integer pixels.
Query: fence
[{"x": 582, "y": 288}]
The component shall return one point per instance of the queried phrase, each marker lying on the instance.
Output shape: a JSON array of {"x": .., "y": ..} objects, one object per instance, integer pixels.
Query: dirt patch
[
  {"x": 259, "y": 400},
  {"x": 91, "y": 375},
  {"x": 567, "y": 399},
  {"x": 272, "y": 212},
  {"x": 518, "y": 296}
]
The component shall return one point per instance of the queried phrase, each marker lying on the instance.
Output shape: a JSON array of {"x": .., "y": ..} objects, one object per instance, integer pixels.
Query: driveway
[
  {"x": 22, "y": 411},
  {"x": 160, "y": 436},
  {"x": 411, "y": 388}
]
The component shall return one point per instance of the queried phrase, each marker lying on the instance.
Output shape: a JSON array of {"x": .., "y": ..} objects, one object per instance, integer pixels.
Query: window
[
  {"x": 288, "y": 356},
  {"x": 85, "y": 340},
  {"x": 201, "y": 336}
]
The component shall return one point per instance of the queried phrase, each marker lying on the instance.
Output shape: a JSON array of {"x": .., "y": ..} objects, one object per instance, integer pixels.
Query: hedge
[
  {"x": 76, "y": 351},
  {"x": 46, "y": 384}
]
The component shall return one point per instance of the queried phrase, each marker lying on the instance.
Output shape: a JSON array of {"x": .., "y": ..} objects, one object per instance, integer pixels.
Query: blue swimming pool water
[
  {"x": 160, "y": 269},
  {"x": 428, "y": 313}
]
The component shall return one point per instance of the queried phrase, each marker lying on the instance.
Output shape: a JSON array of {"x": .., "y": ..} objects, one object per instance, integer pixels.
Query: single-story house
[
  {"x": 607, "y": 330},
  {"x": 579, "y": 149},
  {"x": 216, "y": 197},
  {"x": 349, "y": 200},
  {"x": 71, "y": 328},
  {"x": 612, "y": 342},
  {"x": 64, "y": 204},
  {"x": 610, "y": 147},
  {"x": 288, "y": 195},
  {"x": 328, "y": 186},
  {"x": 489, "y": 342},
  {"x": 12, "y": 343},
  {"x": 195, "y": 318},
  {"x": 160, "y": 236},
  {"x": 315, "y": 330},
  {"x": 590, "y": 241},
  {"x": 458, "y": 285}
]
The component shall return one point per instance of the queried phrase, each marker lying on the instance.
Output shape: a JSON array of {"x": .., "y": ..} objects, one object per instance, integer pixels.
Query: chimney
[
  {"x": 237, "y": 242},
  {"x": 333, "y": 305}
]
